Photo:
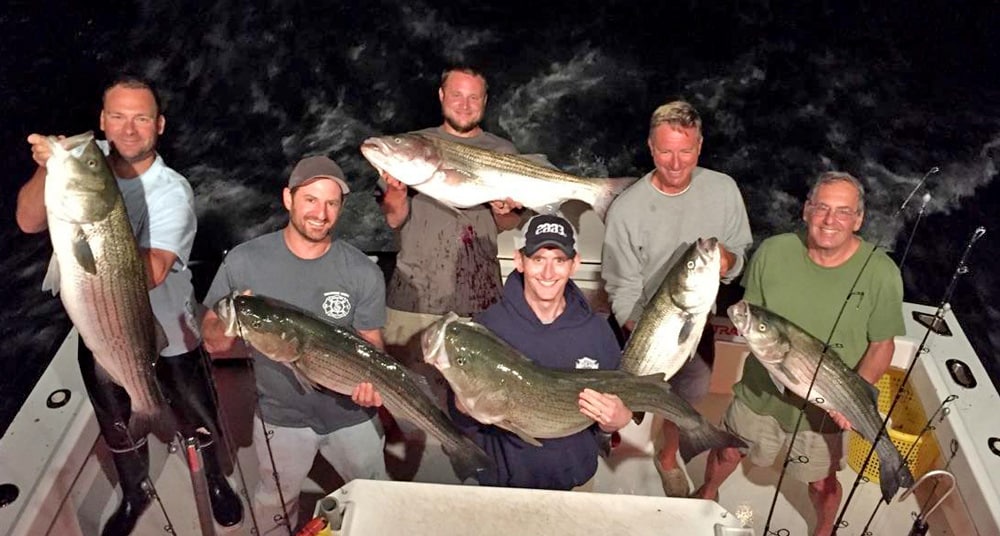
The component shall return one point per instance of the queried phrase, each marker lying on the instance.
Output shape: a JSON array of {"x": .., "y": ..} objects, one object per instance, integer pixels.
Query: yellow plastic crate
[{"x": 908, "y": 419}]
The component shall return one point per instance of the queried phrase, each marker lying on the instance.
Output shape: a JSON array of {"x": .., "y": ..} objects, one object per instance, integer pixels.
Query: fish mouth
[
  {"x": 433, "y": 345},
  {"x": 374, "y": 150},
  {"x": 225, "y": 309},
  {"x": 708, "y": 249},
  {"x": 739, "y": 314},
  {"x": 372, "y": 144},
  {"x": 73, "y": 144},
  {"x": 71, "y": 147}
]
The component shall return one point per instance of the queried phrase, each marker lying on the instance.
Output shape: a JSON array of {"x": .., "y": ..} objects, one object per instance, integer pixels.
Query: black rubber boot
[
  {"x": 227, "y": 509},
  {"x": 133, "y": 471},
  {"x": 187, "y": 381}
]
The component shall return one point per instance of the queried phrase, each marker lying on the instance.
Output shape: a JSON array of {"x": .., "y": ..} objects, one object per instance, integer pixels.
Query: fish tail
[
  {"x": 892, "y": 472},
  {"x": 609, "y": 191},
  {"x": 694, "y": 441},
  {"x": 468, "y": 459},
  {"x": 141, "y": 423},
  {"x": 155, "y": 418}
]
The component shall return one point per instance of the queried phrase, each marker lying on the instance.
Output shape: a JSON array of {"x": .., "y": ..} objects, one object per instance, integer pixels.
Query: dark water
[{"x": 883, "y": 89}]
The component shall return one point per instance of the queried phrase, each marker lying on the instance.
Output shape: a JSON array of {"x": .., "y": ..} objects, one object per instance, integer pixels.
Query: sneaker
[{"x": 674, "y": 481}]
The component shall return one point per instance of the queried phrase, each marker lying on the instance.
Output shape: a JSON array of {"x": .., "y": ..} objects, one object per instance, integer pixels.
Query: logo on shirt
[
  {"x": 337, "y": 304},
  {"x": 587, "y": 363},
  {"x": 553, "y": 228}
]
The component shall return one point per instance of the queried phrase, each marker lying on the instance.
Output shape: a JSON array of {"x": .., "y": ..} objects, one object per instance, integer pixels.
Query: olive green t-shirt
[{"x": 783, "y": 279}]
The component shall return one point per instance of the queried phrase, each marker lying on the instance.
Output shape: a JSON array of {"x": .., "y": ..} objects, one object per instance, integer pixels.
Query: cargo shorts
[{"x": 814, "y": 455}]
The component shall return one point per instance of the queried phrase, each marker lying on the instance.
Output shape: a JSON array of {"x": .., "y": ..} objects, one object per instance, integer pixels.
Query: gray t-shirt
[
  {"x": 447, "y": 257},
  {"x": 647, "y": 231},
  {"x": 343, "y": 287}
]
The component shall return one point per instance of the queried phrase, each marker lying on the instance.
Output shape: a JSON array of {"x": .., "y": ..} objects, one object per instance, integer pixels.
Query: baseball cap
[
  {"x": 549, "y": 230},
  {"x": 318, "y": 167}
]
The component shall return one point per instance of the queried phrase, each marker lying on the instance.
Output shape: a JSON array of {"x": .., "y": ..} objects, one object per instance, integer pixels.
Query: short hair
[
  {"x": 678, "y": 114},
  {"x": 467, "y": 69},
  {"x": 134, "y": 82},
  {"x": 830, "y": 177}
]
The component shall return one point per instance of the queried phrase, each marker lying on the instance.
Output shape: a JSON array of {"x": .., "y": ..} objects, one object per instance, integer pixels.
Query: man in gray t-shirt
[
  {"x": 648, "y": 228},
  {"x": 303, "y": 265},
  {"x": 447, "y": 258}
]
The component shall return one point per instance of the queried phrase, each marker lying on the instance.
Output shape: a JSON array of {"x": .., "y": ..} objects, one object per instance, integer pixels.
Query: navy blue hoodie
[{"x": 577, "y": 333}]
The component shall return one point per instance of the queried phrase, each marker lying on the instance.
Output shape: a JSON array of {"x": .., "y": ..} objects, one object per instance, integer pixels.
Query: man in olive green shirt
[{"x": 805, "y": 277}]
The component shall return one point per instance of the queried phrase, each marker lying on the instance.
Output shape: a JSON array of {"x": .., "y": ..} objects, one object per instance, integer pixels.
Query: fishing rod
[
  {"x": 283, "y": 519},
  {"x": 826, "y": 347},
  {"x": 923, "y": 206},
  {"x": 943, "y": 307},
  {"x": 913, "y": 231},
  {"x": 943, "y": 409},
  {"x": 805, "y": 401},
  {"x": 192, "y": 446}
]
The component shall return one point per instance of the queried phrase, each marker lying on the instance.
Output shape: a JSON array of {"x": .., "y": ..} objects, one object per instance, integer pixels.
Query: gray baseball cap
[{"x": 318, "y": 167}]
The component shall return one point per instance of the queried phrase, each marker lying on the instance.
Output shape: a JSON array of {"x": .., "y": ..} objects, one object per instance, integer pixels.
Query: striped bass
[
  {"x": 667, "y": 334},
  {"x": 337, "y": 359},
  {"x": 98, "y": 273},
  {"x": 791, "y": 355},
  {"x": 500, "y": 386},
  {"x": 462, "y": 176}
]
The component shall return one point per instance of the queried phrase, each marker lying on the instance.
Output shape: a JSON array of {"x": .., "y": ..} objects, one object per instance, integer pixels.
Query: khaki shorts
[{"x": 814, "y": 455}]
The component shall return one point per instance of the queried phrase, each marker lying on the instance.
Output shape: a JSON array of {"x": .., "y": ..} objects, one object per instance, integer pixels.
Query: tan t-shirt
[{"x": 448, "y": 257}]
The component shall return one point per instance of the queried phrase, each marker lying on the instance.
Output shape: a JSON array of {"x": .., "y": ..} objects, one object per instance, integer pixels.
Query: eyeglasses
[{"x": 840, "y": 213}]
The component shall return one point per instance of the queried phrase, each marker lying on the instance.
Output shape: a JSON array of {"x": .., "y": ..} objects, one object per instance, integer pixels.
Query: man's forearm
[
  {"x": 31, "y": 217},
  {"x": 876, "y": 361},
  {"x": 396, "y": 207}
]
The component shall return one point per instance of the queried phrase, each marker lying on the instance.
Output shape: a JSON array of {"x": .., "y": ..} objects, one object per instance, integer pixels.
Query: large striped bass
[
  {"x": 500, "y": 386},
  {"x": 667, "y": 334},
  {"x": 791, "y": 355},
  {"x": 338, "y": 359},
  {"x": 98, "y": 273},
  {"x": 463, "y": 176}
]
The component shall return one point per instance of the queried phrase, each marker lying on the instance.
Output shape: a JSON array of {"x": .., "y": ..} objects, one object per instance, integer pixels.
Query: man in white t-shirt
[{"x": 160, "y": 205}]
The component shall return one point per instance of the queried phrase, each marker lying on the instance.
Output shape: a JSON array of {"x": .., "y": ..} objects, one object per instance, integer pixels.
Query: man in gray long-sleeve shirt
[{"x": 651, "y": 225}]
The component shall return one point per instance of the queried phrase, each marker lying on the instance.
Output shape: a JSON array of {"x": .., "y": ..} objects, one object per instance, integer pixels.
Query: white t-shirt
[{"x": 160, "y": 205}]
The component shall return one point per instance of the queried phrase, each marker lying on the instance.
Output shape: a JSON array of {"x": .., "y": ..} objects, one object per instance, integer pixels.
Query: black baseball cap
[{"x": 549, "y": 230}]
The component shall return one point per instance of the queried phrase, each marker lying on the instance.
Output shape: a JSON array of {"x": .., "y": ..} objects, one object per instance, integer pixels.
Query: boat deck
[
  {"x": 53, "y": 454},
  {"x": 411, "y": 457}
]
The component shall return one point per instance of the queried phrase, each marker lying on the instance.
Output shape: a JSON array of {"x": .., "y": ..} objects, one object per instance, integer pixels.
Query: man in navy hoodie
[{"x": 544, "y": 315}]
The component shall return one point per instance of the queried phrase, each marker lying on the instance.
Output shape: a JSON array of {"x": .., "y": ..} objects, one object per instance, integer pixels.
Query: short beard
[
  {"x": 457, "y": 127},
  {"x": 304, "y": 233}
]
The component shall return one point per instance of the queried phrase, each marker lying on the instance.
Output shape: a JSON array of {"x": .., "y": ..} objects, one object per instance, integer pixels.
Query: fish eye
[
  {"x": 92, "y": 163},
  {"x": 762, "y": 327},
  {"x": 256, "y": 323},
  {"x": 460, "y": 361},
  {"x": 398, "y": 140},
  {"x": 690, "y": 265}
]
